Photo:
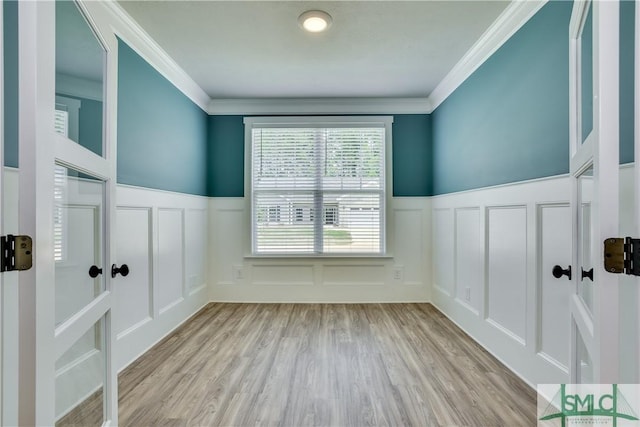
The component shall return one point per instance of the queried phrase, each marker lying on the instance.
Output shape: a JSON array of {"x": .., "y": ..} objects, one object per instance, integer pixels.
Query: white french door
[
  {"x": 67, "y": 194},
  {"x": 594, "y": 167},
  {"x": 2, "y": 215}
]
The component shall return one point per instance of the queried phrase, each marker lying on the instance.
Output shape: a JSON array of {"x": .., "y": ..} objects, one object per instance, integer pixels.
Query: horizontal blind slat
[{"x": 295, "y": 171}]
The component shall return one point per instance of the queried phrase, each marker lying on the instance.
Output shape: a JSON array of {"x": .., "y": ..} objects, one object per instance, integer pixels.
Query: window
[{"x": 302, "y": 165}]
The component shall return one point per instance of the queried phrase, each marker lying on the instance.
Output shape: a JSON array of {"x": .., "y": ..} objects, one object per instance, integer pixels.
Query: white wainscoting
[
  {"x": 494, "y": 250},
  {"x": 162, "y": 237},
  {"x": 403, "y": 276}
]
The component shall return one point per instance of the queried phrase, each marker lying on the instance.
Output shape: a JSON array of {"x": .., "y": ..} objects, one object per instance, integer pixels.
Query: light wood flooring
[{"x": 320, "y": 364}]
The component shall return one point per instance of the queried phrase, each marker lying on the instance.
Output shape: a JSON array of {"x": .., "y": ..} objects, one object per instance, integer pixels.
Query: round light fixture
[{"x": 315, "y": 21}]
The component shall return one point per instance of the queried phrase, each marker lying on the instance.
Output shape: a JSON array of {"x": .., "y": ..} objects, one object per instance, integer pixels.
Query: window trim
[{"x": 319, "y": 121}]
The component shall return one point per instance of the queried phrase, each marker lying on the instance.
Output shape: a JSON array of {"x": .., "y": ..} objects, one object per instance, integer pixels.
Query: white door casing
[
  {"x": 2, "y": 297},
  {"x": 636, "y": 154}
]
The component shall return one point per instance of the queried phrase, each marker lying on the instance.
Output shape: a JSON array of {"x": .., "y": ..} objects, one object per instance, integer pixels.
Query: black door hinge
[
  {"x": 622, "y": 255},
  {"x": 16, "y": 253}
]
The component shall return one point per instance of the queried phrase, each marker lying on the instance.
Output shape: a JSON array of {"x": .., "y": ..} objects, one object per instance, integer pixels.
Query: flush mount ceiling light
[{"x": 315, "y": 21}]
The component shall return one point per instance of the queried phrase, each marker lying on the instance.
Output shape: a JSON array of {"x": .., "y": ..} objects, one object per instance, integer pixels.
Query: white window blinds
[
  {"x": 318, "y": 190},
  {"x": 61, "y": 122},
  {"x": 59, "y": 185}
]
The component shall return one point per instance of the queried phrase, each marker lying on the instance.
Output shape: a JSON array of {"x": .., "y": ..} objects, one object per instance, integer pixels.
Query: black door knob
[
  {"x": 94, "y": 271},
  {"x": 558, "y": 272},
  {"x": 123, "y": 270},
  {"x": 587, "y": 274}
]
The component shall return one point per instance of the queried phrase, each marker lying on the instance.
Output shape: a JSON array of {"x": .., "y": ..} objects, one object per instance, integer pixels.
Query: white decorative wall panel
[
  {"x": 507, "y": 268},
  {"x": 280, "y": 274},
  {"x": 170, "y": 258},
  {"x": 443, "y": 250},
  {"x": 227, "y": 239},
  {"x": 408, "y": 250},
  {"x": 553, "y": 299},
  {"x": 361, "y": 275},
  {"x": 196, "y": 248},
  {"x": 133, "y": 294},
  {"x": 469, "y": 257}
]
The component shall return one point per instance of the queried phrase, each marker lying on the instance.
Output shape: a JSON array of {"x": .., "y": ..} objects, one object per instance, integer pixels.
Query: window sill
[{"x": 318, "y": 257}]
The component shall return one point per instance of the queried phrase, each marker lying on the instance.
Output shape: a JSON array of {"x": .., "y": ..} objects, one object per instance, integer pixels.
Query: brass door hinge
[
  {"x": 16, "y": 253},
  {"x": 622, "y": 255}
]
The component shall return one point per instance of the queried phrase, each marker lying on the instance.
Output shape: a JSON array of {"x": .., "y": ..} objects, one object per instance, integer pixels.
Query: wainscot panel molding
[
  {"x": 402, "y": 276},
  {"x": 162, "y": 237},
  {"x": 493, "y": 252}
]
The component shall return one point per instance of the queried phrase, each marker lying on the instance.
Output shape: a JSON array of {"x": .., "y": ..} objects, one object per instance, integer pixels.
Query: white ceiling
[{"x": 255, "y": 49}]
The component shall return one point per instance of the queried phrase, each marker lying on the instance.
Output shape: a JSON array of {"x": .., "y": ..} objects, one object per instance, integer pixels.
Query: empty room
[{"x": 319, "y": 213}]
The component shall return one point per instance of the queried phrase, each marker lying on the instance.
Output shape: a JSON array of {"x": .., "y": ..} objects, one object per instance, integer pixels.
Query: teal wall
[
  {"x": 162, "y": 134},
  {"x": 90, "y": 123},
  {"x": 411, "y": 155},
  {"x": 10, "y": 26},
  {"x": 225, "y": 156},
  {"x": 509, "y": 121},
  {"x": 627, "y": 85}
]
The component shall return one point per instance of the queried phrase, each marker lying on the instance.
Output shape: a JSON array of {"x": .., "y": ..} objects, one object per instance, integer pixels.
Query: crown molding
[
  {"x": 298, "y": 106},
  {"x": 127, "y": 29},
  {"x": 510, "y": 20}
]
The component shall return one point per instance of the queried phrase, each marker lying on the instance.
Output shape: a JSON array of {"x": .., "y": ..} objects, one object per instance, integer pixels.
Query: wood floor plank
[{"x": 320, "y": 365}]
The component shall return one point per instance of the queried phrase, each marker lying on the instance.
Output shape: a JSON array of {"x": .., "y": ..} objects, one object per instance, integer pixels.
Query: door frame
[
  {"x": 636, "y": 154},
  {"x": 2, "y": 213}
]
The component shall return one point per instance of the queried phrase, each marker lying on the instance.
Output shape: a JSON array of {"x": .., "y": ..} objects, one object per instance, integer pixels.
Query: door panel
[
  {"x": 77, "y": 226},
  {"x": 79, "y": 380}
]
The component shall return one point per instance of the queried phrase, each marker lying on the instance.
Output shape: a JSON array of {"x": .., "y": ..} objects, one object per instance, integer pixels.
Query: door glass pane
[
  {"x": 585, "y": 256},
  {"x": 77, "y": 241},
  {"x": 79, "y": 380},
  {"x": 79, "y": 78},
  {"x": 586, "y": 76},
  {"x": 585, "y": 366}
]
